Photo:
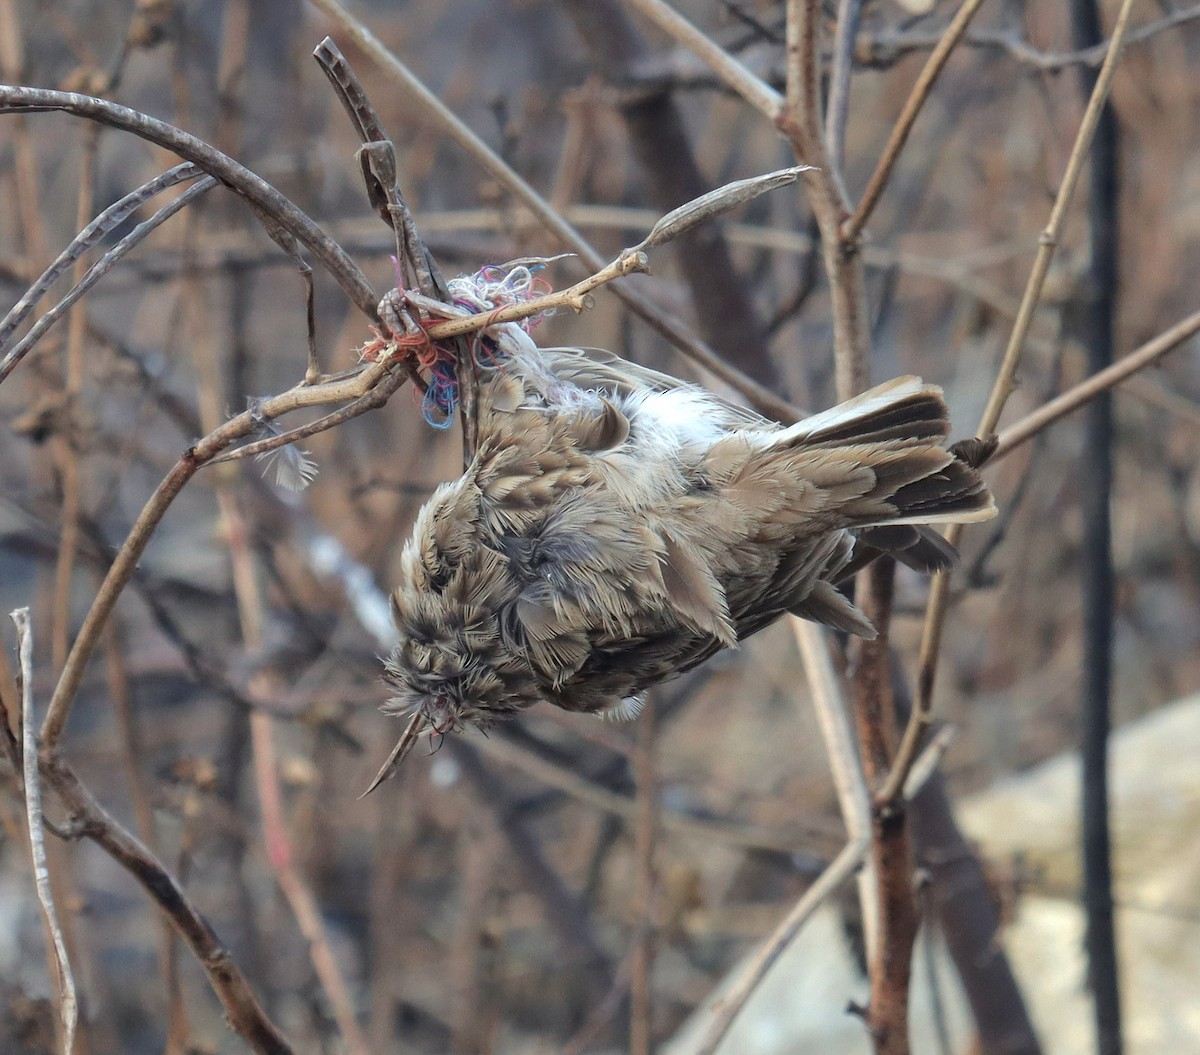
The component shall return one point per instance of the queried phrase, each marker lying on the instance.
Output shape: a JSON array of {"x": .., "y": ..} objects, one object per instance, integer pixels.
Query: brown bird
[{"x": 618, "y": 526}]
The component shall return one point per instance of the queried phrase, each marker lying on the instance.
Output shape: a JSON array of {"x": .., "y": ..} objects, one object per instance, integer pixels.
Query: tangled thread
[
  {"x": 497, "y": 286},
  {"x": 492, "y": 287}
]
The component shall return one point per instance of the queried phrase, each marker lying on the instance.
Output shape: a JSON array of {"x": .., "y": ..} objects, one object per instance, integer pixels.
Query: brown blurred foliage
[{"x": 472, "y": 905}]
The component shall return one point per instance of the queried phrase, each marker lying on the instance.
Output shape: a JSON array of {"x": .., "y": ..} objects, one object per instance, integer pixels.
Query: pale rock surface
[{"x": 1034, "y": 816}]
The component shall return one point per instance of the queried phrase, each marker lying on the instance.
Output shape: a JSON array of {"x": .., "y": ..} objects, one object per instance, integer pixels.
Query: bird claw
[{"x": 397, "y": 315}]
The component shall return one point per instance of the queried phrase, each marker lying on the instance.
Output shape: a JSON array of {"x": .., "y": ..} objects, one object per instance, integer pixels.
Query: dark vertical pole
[{"x": 1096, "y": 330}]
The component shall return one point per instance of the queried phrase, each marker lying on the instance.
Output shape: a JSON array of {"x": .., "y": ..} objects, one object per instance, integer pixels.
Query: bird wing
[{"x": 603, "y": 371}]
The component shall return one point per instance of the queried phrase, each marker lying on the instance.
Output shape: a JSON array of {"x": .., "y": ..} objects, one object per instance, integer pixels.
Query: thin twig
[
  {"x": 577, "y": 298},
  {"x": 287, "y": 221},
  {"x": 837, "y": 106},
  {"x": 1048, "y": 241},
  {"x": 91, "y": 236},
  {"x": 928, "y": 761},
  {"x": 839, "y": 870},
  {"x": 935, "y": 613},
  {"x": 99, "y": 269},
  {"x": 66, "y": 445},
  {"x": 673, "y": 329},
  {"x": 913, "y": 105},
  {"x": 377, "y": 160},
  {"x": 930, "y": 960},
  {"x": 641, "y": 1012},
  {"x": 1028, "y": 427},
  {"x": 886, "y": 50},
  {"x": 765, "y": 99},
  {"x": 68, "y": 1004},
  {"x": 850, "y": 786},
  {"x": 800, "y": 120},
  {"x": 659, "y": 138}
]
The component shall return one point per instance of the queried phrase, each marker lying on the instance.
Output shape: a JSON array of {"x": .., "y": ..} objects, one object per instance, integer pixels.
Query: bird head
[{"x": 454, "y": 664}]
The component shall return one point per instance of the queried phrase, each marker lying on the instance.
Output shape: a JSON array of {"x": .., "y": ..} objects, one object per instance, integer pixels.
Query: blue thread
[
  {"x": 493, "y": 286},
  {"x": 441, "y": 398}
]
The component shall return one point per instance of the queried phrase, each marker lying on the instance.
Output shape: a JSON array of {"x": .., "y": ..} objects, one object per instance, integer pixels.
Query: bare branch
[
  {"x": 241, "y": 1006},
  {"x": 837, "y": 106},
  {"x": 285, "y": 218},
  {"x": 765, "y": 99},
  {"x": 68, "y": 1003},
  {"x": 935, "y": 613},
  {"x": 1071, "y": 400},
  {"x": 99, "y": 269},
  {"x": 887, "y": 50},
  {"x": 91, "y": 236},
  {"x": 850, "y": 786},
  {"x": 840, "y": 869},
  {"x": 908, "y": 115}
]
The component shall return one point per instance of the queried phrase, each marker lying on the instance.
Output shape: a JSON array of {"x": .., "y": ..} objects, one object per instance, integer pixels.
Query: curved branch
[
  {"x": 241, "y": 1006},
  {"x": 282, "y": 219},
  {"x": 383, "y": 377}
]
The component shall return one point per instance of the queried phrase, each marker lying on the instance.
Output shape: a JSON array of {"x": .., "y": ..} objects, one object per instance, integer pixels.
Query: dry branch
[
  {"x": 839, "y": 870},
  {"x": 655, "y": 315},
  {"x": 68, "y": 1003},
  {"x": 90, "y": 820},
  {"x": 935, "y": 613}
]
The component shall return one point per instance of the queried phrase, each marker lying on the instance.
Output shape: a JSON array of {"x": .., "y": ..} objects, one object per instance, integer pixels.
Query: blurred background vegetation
[{"x": 487, "y": 899}]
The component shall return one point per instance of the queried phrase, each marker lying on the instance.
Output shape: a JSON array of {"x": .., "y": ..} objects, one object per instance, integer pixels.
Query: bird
[{"x": 617, "y": 526}]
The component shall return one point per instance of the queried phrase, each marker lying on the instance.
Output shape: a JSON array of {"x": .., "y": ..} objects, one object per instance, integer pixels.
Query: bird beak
[{"x": 402, "y": 748}]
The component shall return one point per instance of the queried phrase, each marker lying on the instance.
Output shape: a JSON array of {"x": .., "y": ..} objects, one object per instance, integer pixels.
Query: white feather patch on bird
[
  {"x": 624, "y": 711},
  {"x": 680, "y": 418}
]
